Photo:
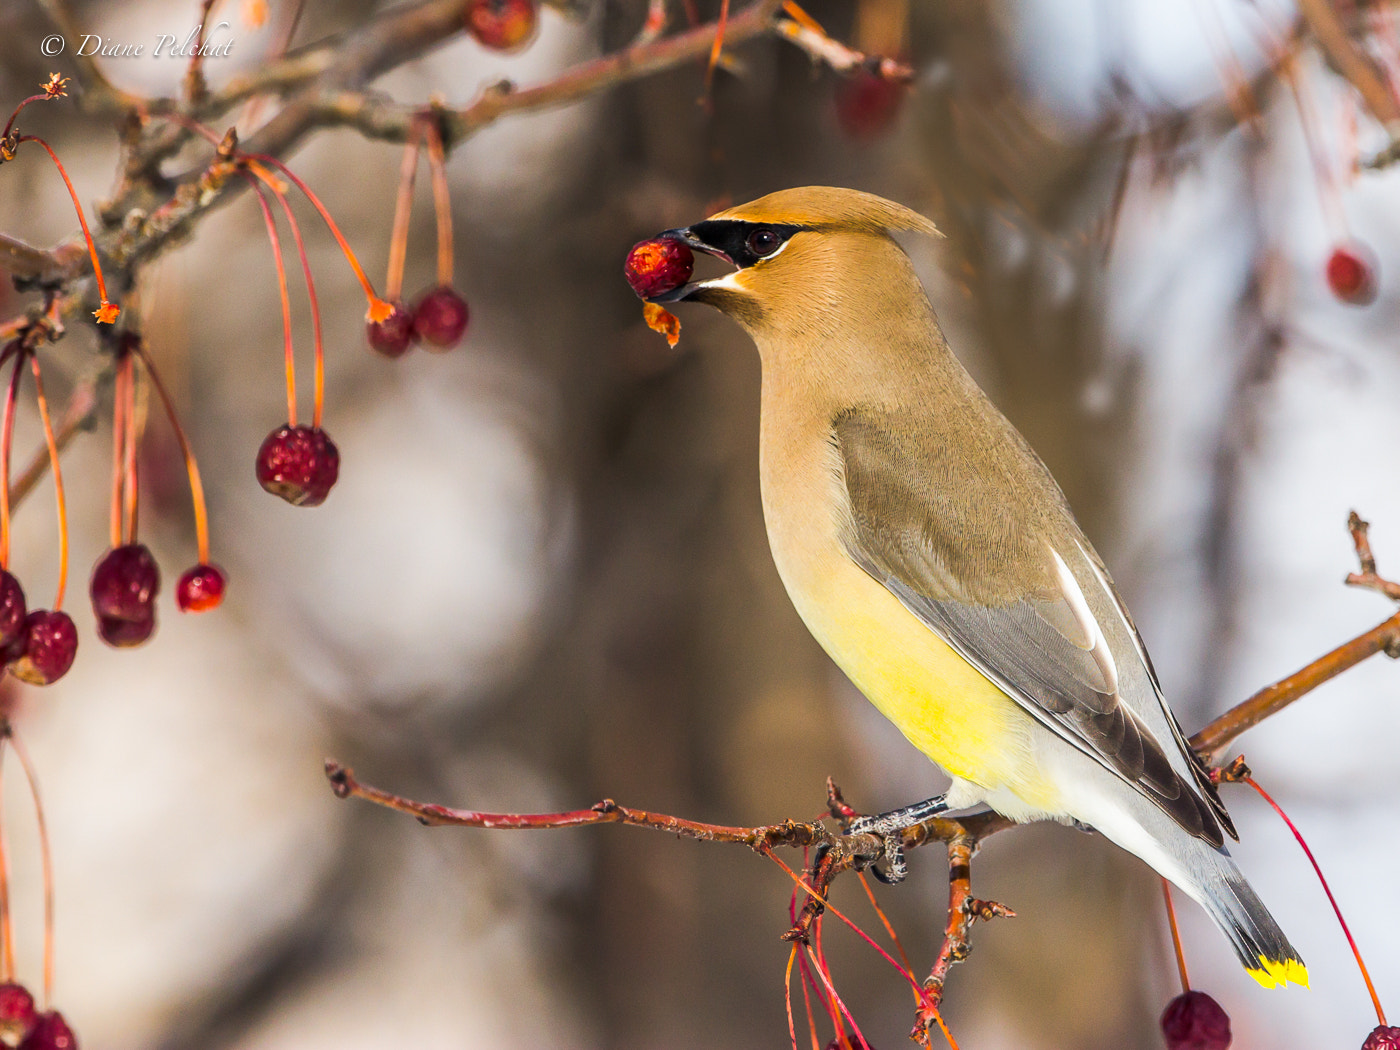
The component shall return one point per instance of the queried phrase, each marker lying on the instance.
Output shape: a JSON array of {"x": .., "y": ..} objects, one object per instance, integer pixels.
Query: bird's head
[{"x": 802, "y": 257}]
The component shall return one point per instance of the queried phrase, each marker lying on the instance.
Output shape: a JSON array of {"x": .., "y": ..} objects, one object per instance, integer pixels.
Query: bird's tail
[{"x": 1241, "y": 915}]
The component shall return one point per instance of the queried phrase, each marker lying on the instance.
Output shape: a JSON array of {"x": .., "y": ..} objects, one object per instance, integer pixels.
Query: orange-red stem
[
  {"x": 106, "y": 312},
  {"x": 286, "y": 301},
  {"x": 378, "y": 308},
  {"x": 1360, "y": 963},
  {"x": 201, "y": 512},
  {"x": 7, "y": 437},
  {"x": 1176, "y": 937},
  {"x": 46, "y": 859},
  {"x": 57, "y": 481},
  {"x": 442, "y": 203},
  {"x": 403, "y": 212}
]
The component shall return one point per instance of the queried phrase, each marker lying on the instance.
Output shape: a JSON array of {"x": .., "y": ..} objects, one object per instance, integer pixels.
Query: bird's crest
[{"x": 831, "y": 207}]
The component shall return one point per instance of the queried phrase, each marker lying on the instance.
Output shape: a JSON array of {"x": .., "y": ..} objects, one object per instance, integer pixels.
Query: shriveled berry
[
  {"x": 394, "y": 335},
  {"x": 659, "y": 265},
  {"x": 503, "y": 25},
  {"x": 12, "y": 610},
  {"x": 125, "y": 582},
  {"x": 17, "y": 1013},
  {"x": 1382, "y": 1037},
  {"x": 50, "y": 1032},
  {"x": 201, "y": 588},
  {"x": 300, "y": 464},
  {"x": 1351, "y": 273},
  {"x": 50, "y": 644},
  {"x": 440, "y": 318},
  {"x": 867, "y": 104},
  {"x": 1195, "y": 1021}
]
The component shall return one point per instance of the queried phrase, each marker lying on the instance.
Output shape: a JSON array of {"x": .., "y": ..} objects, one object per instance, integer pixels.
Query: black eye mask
[{"x": 743, "y": 243}]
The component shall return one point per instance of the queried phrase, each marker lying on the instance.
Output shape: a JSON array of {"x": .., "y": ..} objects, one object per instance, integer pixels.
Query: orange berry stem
[
  {"x": 1176, "y": 937},
  {"x": 106, "y": 312},
  {"x": 802, "y": 18},
  {"x": 52, "y": 442},
  {"x": 717, "y": 46},
  {"x": 201, "y": 513},
  {"x": 7, "y": 940},
  {"x": 884, "y": 919},
  {"x": 118, "y": 444},
  {"x": 378, "y": 308},
  {"x": 46, "y": 859},
  {"x": 442, "y": 202},
  {"x": 286, "y": 302},
  {"x": 132, "y": 490},
  {"x": 403, "y": 211},
  {"x": 1361, "y": 965},
  {"x": 7, "y": 437},
  {"x": 319, "y": 380},
  {"x": 787, "y": 995}
]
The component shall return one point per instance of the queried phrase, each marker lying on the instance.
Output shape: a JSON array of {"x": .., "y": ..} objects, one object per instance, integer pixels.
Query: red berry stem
[
  {"x": 1360, "y": 963},
  {"x": 378, "y": 308},
  {"x": 52, "y": 89},
  {"x": 7, "y": 436},
  {"x": 1176, "y": 937},
  {"x": 46, "y": 860},
  {"x": 52, "y": 442},
  {"x": 132, "y": 481},
  {"x": 442, "y": 201},
  {"x": 403, "y": 211},
  {"x": 201, "y": 513},
  {"x": 319, "y": 374},
  {"x": 106, "y": 312},
  {"x": 717, "y": 46},
  {"x": 118, "y": 447},
  {"x": 286, "y": 302}
]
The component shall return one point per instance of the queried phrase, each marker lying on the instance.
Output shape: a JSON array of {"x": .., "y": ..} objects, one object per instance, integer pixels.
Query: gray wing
[{"x": 997, "y": 588}]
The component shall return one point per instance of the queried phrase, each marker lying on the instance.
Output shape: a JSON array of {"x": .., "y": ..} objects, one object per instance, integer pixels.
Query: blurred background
[{"x": 543, "y": 577}]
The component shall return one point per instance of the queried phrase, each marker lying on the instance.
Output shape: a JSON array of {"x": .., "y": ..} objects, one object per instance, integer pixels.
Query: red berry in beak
[
  {"x": 1382, "y": 1038},
  {"x": 1195, "y": 1021},
  {"x": 300, "y": 464},
  {"x": 440, "y": 318},
  {"x": 394, "y": 335},
  {"x": 659, "y": 265},
  {"x": 503, "y": 25},
  {"x": 201, "y": 588},
  {"x": 51, "y": 1032},
  {"x": 50, "y": 644},
  {"x": 1351, "y": 273},
  {"x": 125, "y": 583},
  {"x": 12, "y": 613}
]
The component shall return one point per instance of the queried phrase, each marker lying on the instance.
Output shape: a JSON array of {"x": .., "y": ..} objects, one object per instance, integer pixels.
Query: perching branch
[{"x": 834, "y": 852}]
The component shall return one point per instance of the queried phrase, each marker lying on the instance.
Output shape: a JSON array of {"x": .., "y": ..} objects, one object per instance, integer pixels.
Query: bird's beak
[{"x": 685, "y": 291}]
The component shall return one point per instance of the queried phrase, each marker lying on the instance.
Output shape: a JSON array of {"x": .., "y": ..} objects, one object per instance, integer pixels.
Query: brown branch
[
  {"x": 1368, "y": 577},
  {"x": 1352, "y": 63}
]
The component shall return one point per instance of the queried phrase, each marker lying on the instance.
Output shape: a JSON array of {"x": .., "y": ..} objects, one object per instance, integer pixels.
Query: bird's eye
[{"x": 763, "y": 241}]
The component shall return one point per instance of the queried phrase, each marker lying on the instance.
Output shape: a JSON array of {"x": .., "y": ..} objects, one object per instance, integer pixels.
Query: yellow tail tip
[{"x": 1275, "y": 973}]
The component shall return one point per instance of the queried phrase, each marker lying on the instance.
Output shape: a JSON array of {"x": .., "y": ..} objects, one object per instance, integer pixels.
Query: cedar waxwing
[{"x": 932, "y": 555}]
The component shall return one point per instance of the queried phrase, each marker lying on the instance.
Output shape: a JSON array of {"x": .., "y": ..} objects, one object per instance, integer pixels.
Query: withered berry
[
  {"x": 503, "y": 25},
  {"x": 50, "y": 644},
  {"x": 12, "y": 612},
  {"x": 1195, "y": 1021},
  {"x": 1351, "y": 273},
  {"x": 50, "y": 1032},
  {"x": 125, "y": 582},
  {"x": 440, "y": 318},
  {"x": 394, "y": 335},
  {"x": 659, "y": 265},
  {"x": 300, "y": 464},
  {"x": 1383, "y": 1037},
  {"x": 201, "y": 588}
]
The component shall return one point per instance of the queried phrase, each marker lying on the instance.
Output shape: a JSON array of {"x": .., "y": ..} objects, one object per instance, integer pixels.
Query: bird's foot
[{"x": 889, "y": 829}]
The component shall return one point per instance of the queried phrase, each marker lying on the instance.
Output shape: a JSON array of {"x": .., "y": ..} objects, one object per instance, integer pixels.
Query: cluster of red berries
[
  {"x": 24, "y": 1027},
  {"x": 438, "y": 318},
  {"x": 36, "y": 646}
]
